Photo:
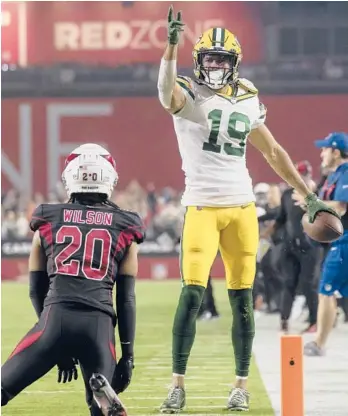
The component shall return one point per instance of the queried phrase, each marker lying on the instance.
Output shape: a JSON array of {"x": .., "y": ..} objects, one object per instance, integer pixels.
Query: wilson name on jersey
[
  {"x": 84, "y": 246},
  {"x": 212, "y": 131}
]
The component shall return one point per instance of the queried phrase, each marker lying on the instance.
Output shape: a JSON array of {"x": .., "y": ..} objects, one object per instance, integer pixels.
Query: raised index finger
[{"x": 170, "y": 14}]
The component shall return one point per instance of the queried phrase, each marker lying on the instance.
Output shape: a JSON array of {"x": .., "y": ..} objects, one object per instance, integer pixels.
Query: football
[{"x": 326, "y": 227}]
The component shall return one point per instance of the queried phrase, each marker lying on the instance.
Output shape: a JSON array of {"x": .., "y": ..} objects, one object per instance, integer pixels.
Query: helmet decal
[{"x": 90, "y": 169}]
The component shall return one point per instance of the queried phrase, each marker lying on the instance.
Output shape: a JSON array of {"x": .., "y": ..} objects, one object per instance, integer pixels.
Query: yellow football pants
[{"x": 234, "y": 230}]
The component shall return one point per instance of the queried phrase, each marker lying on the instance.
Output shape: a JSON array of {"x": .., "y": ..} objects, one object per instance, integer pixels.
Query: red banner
[
  {"x": 127, "y": 32},
  {"x": 37, "y": 134},
  {"x": 13, "y": 33}
]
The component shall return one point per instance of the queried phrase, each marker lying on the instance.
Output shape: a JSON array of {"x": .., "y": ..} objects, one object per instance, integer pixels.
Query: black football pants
[
  {"x": 273, "y": 282},
  {"x": 300, "y": 270},
  {"x": 62, "y": 331}
]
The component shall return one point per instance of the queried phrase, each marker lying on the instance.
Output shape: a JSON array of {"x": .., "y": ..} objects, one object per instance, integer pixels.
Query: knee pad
[
  {"x": 240, "y": 300},
  {"x": 240, "y": 293},
  {"x": 186, "y": 313},
  {"x": 192, "y": 295}
]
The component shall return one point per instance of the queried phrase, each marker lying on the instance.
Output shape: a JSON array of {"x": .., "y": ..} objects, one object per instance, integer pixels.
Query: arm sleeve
[
  {"x": 126, "y": 312},
  {"x": 38, "y": 288}
]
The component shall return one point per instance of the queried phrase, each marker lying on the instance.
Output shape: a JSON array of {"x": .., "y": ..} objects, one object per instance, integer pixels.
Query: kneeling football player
[{"x": 80, "y": 250}]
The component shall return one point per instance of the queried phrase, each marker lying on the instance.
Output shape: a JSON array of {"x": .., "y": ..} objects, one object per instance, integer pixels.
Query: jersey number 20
[
  {"x": 235, "y": 120},
  {"x": 66, "y": 265}
]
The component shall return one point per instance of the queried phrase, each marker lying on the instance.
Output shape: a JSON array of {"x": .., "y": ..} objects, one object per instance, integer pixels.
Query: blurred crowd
[{"x": 161, "y": 210}]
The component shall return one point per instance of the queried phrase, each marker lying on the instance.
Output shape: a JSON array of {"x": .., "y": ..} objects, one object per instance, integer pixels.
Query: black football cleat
[{"x": 105, "y": 396}]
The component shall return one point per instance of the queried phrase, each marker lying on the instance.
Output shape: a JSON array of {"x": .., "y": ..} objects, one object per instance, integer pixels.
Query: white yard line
[
  {"x": 144, "y": 388},
  {"x": 140, "y": 398},
  {"x": 216, "y": 346},
  {"x": 194, "y": 358},
  {"x": 52, "y": 391},
  {"x": 202, "y": 369},
  {"x": 187, "y": 378},
  {"x": 196, "y": 407},
  {"x": 188, "y": 383}
]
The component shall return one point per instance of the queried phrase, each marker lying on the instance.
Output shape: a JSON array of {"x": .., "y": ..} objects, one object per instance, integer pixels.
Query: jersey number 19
[{"x": 234, "y": 122}]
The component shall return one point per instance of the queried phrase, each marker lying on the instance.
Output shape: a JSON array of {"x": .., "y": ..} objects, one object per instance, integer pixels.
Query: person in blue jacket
[{"x": 334, "y": 276}]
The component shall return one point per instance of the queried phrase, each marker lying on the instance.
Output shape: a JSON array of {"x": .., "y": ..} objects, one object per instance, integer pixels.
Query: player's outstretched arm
[
  {"x": 126, "y": 314},
  {"x": 38, "y": 277},
  {"x": 125, "y": 299},
  {"x": 279, "y": 160},
  {"x": 170, "y": 94}
]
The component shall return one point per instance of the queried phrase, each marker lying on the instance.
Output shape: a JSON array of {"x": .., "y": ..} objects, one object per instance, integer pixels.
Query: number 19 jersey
[
  {"x": 212, "y": 131},
  {"x": 84, "y": 246}
]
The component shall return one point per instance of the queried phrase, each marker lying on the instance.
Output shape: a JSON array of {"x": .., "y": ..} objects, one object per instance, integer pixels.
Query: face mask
[{"x": 214, "y": 78}]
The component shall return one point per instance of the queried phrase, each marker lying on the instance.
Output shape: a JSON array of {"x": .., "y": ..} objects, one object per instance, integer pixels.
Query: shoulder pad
[
  {"x": 186, "y": 84},
  {"x": 247, "y": 86},
  {"x": 185, "y": 80},
  {"x": 37, "y": 218},
  {"x": 134, "y": 225}
]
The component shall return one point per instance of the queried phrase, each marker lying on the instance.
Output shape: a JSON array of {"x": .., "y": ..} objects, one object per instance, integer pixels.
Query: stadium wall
[
  {"x": 156, "y": 265},
  {"x": 37, "y": 134}
]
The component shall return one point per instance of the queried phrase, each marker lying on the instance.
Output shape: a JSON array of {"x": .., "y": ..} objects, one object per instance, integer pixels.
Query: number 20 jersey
[
  {"x": 212, "y": 130},
  {"x": 84, "y": 246}
]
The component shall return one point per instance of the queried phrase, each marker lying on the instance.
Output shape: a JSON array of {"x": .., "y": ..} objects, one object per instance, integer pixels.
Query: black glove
[
  {"x": 67, "y": 370},
  {"x": 123, "y": 374}
]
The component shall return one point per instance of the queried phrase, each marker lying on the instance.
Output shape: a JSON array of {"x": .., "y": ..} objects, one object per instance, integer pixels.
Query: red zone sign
[{"x": 41, "y": 33}]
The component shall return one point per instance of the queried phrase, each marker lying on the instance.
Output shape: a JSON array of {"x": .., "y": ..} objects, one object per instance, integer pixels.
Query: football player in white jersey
[{"x": 214, "y": 115}]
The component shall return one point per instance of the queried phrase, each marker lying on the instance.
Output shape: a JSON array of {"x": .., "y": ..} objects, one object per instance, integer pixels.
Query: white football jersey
[{"x": 212, "y": 131}]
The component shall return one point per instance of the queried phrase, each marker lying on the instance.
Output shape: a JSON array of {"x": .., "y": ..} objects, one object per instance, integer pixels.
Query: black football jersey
[{"x": 84, "y": 246}]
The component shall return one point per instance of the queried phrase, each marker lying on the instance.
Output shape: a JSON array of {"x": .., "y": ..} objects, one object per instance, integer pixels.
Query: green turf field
[{"x": 210, "y": 371}]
